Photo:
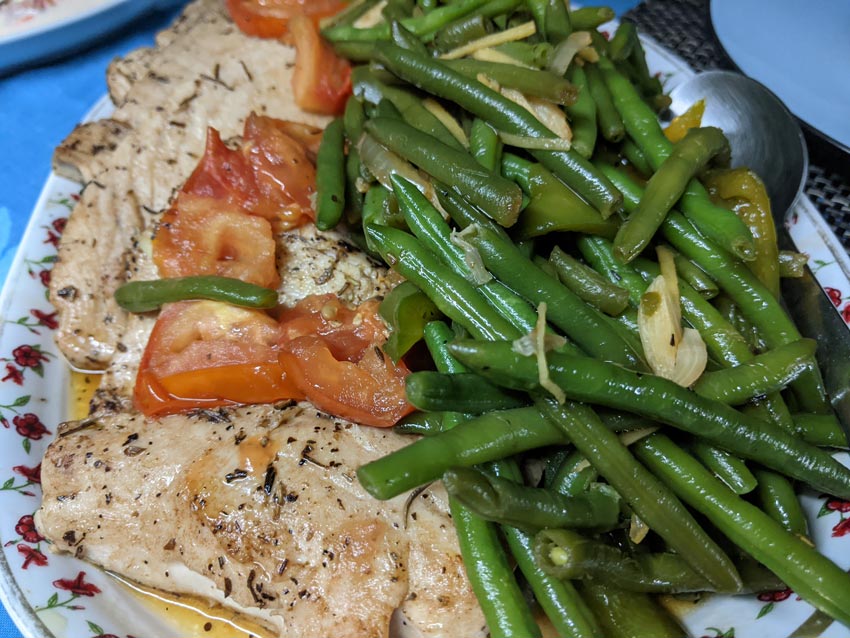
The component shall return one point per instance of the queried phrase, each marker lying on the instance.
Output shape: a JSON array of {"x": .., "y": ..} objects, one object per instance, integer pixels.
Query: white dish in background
[
  {"x": 58, "y": 596},
  {"x": 63, "y": 26},
  {"x": 800, "y": 50}
]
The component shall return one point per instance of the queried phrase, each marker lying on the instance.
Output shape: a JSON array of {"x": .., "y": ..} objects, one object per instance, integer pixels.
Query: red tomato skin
[
  {"x": 321, "y": 80},
  {"x": 269, "y": 18}
]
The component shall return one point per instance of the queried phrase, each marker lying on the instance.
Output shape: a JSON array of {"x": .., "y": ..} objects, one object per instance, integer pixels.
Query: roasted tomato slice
[
  {"x": 205, "y": 236},
  {"x": 283, "y": 171},
  {"x": 333, "y": 355},
  {"x": 269, "y": 18},
  {"x": 224, "y": 174},
  {"x": 321, "y": 80},
  {"x": 204, "y": 354}
]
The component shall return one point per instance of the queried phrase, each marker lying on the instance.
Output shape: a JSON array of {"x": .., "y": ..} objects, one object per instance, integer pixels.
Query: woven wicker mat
[{"x": 684, "y": 26}]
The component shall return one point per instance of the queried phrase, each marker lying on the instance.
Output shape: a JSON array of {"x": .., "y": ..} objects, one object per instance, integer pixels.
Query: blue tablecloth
[{"x": 38, "y": 107}]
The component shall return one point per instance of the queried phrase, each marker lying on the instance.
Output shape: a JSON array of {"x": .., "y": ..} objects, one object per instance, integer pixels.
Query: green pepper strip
[
  {"x": 495, "y": 194},
  {"x": 666, "y": 186},
  {"x": 552, "y": 206},
  {"x": 330, "y": 176},
  {"x": 779, "y": 501},
  {"x": 406, "y": 310},
  {"x": 531, "y": 508},
  {"x": 610, "y": 122},
  {"x": 586, "y": 379},
  {"x": 438, "y": 79},
  {"x": 145, "y": 296},
  {"x": 642, "y": 126},
  {"x": 567, "y": 554},
  {"x": 589, "y": 284},
  {"x": 810, "y": 574},
  {"x": 582, "y": 113},
  {"x": 764, "y": 374},
  {"x": 467, "y": 393},
  {"x": 728, "y": 468}
]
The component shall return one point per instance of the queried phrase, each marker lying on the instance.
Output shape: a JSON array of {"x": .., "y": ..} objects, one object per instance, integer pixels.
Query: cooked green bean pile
[{"x": 617, "y": 402}]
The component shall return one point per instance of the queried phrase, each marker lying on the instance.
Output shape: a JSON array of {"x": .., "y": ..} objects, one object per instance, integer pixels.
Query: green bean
[
  {"x": 467, "y": 393},
  {"x": 424, "y": 26},
  {"x": 552, "y": 19},
  {"x": 810, "y": 574},
  {"x": 792, "y": 264},
  {"x": 587, "y": 18},
  {"x": 146, "y": 296},
  {"x": 485, "y": 145},
  {"x": 586, "y": 379},
  {"x": 330, "y": 176},
  {"x": 820, "y": 429},
  {"x": 531, "y": 508},
  {"x": 599, "y": 254},
  {"x": 353, "y": 196},
  {"x": 764, "y": 374},
  {"x": 432, "y": 230},
  {"x": 610, "y": 122},
  {"x": 779, "y": 501},
  {"x": 666, "y": 186},
  {"x": 483, "y": 102},
  {"x": 488, "y": 437},
  {"x": 353, "y": 120},
  {"x": 422, "y": 423},
  {"x": 588, "y": 284},
  {"x": 625, "y": 614},
  {"x": 533, "y": 55},
  {"x": 459, "y": 32},
  {"x": 567, "y": 554},
  {"x": 544, "y": 84},
  {"x": 351, "y": 13},
  {"x": 500, "y": 197},
  {"x": 484, "y": 559},
  {"x": 642, "y": 126},
  {"x": 367, "y": 86},
  {"x": 647, "y": 496},
  {"x": 582, "y": 323},
  {"x": 552, "y": 206},
  {"x": 696, "y": 277},
  {"x": 582, "y": 113},
  {"x": 404, "y": 38},
  {"x": 385, "y": 109},
  {"x": 636, "y": 157},
  {"x": 729, "y": 469},
  {"x": 622, "y": 42},
  {"x": 753, "y": 299},
  {"x": 452, "y": 294},
  {"x": 406, "y": 310},
  {"x": 573, "y": 476}
]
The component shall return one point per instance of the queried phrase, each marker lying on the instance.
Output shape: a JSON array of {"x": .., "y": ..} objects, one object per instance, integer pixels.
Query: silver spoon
[{"x": 765, "y": 137}]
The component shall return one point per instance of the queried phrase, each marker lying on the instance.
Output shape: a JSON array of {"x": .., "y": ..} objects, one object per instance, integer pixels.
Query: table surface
[{"x": 39, "y": 106}]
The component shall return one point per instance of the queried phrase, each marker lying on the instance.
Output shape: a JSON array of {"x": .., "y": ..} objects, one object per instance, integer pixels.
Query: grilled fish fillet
[{"x": 257, "y": 507}]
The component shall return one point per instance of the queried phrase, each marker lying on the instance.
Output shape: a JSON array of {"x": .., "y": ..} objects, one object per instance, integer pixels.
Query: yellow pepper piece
[
  {"x": 745, "y": 193},
  {"x": 681, "y": 124}
]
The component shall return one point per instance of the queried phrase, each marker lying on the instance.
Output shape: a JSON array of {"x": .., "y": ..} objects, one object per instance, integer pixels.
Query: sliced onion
[
  {"x": 590, "y": 54},
  {"x": 548, "y": 114},
  {"x": 489, "y": 54},
  {"x": 535, "y": 143},
  {"x": 667, "y": 264},
  {"x": 633, "y": 436},
  {"x": 478, "y": 273},
  {"x": 691, "y": 358},
  {"x": 519, "y": 32},
  {"x": 438, "y": 110},
  {"x": 372, "y": 17},
  {"x": 383, "y": 163},
  {"x": 657, "y": 328},
  {"x": 638, "y": 529},
  {"x": 489, "y": 82},
  {"x": 566, "y": 51},
  {"x": 537, "y": 342}
]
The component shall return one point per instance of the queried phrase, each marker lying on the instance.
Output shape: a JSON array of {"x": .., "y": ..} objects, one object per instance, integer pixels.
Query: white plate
[
  {"x": 60, "y": 597},
  {"x": 799, "y": 49},
  {"x": 62, "y": 26}
]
